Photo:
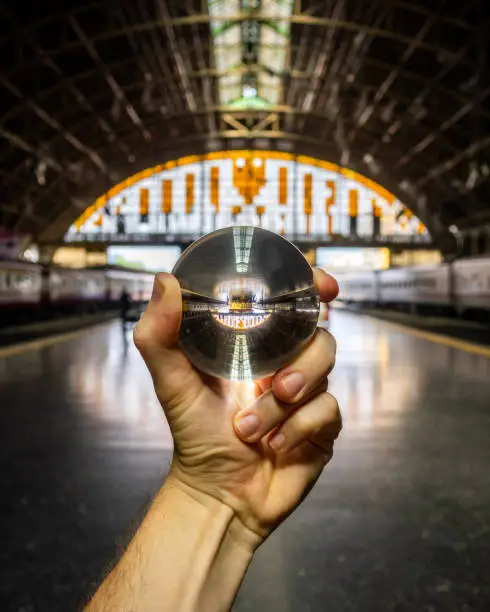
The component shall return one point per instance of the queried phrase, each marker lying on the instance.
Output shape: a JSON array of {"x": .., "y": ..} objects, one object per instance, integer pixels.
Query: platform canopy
[{"x": 96, "y": 91}]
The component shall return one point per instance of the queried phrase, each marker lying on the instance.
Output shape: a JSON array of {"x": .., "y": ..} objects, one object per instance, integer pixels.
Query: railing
[
  {"x": 414, "y": 241},
  {"x": 182, "y": 229}
]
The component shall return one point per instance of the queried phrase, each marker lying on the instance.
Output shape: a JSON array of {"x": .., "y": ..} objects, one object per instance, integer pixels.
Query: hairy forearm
[{"x": 189, "y": 554}]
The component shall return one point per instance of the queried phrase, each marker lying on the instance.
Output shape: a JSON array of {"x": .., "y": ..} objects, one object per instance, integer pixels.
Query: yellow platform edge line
[{"x": 462, "y": 345}]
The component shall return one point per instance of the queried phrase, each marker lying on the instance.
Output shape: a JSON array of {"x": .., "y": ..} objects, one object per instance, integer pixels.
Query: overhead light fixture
[
  {"x": 116, "y": 109},
  {"x": 388, "y": 112},
  {"x": 473, "y": 176},
  {"x": 40, "y": 172},
  {"x": 249, "y": 92},
  {"x": 371, "y": 163},
  {"x": 418, "y": 110}
]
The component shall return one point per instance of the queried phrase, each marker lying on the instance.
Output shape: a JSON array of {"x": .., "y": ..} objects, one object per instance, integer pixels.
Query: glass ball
[{"x": 249, "y": 303}]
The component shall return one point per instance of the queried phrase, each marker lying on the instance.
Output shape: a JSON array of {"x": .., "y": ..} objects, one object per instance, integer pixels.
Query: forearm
[{"x": 189, "y": 554}]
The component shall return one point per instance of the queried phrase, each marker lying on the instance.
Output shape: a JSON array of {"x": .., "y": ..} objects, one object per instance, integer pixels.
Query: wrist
[{"x": 235, "y": 533}]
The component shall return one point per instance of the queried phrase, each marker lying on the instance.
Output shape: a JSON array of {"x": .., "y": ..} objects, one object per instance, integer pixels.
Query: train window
[{"x": 25, "y": 281}]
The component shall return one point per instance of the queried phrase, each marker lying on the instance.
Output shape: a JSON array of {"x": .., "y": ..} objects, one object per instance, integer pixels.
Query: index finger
[{"x": 327, "y": 286}]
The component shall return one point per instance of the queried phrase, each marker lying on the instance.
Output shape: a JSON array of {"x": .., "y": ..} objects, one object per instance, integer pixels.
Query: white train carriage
[
  {"x": 137, "y": 284},
  {"x": 20, "y": 291},
  {"x": 76, "y": 289},
  {"x": 361, "y": 288},
  {"x": 421, "y": 285},
  {"x": 471, "y": 284},
  {"x": 20, "y": 284},
  {"x": 64, "y": 286}
]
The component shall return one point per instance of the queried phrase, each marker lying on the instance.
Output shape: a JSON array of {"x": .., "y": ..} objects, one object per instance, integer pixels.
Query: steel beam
[
  {"x": 301, "y": 19},
  {"x": 450, "y": 164},
  {"x": 445, "y": 125},
  {"x": 55, "y": 125},
  {"x": 367, "y": 112},
  {"x": 406, "y": 5},
  {"x": 429, "y": 84},
  {"x": 116, "y": 89},
  {"x": 20, "y": 143}
]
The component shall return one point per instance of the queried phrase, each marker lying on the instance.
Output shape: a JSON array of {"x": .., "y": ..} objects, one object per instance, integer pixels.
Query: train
[
  {"x": 459, "y": 288},
  {"x": 30, "y": 291}
]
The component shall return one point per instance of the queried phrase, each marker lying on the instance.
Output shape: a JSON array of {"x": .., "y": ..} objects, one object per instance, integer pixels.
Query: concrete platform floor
[{"x": 399, "y": 522}]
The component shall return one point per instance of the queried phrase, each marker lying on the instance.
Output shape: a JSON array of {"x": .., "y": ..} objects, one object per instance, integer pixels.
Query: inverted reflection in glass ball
[{"x": 249, "y": 303}]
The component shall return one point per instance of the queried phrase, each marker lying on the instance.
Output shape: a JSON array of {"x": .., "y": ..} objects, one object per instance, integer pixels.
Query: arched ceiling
[{"x": 95, "y": 91}]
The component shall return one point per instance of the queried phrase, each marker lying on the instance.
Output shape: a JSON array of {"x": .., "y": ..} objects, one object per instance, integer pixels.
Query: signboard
[{"x": 339, "y": 260}]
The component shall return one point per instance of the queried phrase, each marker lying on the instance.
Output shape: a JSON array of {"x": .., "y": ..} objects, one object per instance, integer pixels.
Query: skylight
[{"x": 250, "y": 56}]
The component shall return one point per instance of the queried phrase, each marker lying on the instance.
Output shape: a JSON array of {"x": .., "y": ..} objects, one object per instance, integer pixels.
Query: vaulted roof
[{"x": 95, "y": 91}]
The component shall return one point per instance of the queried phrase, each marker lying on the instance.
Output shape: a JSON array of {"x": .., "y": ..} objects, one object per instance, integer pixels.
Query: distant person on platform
[
  {"x": 125, "y": 304},
  {"x": 240, "y": 467}
]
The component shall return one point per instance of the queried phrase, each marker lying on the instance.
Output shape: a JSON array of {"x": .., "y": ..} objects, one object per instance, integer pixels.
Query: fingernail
[
  {"x": 277, "y": 441},
  {"x": 248, "y": 425},
  {"x": 156, "y": 294},
  {"x": 293, "y": 383}
]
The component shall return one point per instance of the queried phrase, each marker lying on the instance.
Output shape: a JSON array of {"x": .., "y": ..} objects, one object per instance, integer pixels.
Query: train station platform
[{"x": 398, "y": 522}]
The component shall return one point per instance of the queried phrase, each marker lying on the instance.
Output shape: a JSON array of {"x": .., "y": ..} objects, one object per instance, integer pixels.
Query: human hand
[{"x": 256, "y": 447}]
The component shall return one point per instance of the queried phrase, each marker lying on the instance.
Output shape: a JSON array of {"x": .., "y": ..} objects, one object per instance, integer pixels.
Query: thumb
[{"x": 156, "y": 337}]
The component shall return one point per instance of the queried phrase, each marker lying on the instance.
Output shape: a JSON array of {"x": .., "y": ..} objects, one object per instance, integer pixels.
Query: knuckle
[
  {"x": 272, "y": 409},
  {"x": 305, "y": 424},
  {"x": 333, "y": 403},
  {"x": 329, "y": 349},
  {"x": 329, "y": 339},
  {"x": 142, "y": 336},
  {"x": 335, "y": 416}
]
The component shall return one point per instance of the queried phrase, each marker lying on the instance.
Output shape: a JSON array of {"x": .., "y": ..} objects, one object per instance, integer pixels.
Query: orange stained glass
[
  {"x": 144, "y": 201},
  {"x": 167, "y": 196},
  {"x": 249, "y": 177},
  {"x": 308, "y": 194},
  {"x": 236, "y": 210},
  {"x": 353, "y": 203},
  {"x": 330, "y": 201},
  {"x": 376, "y": 210},
  {"x": 231, "y": 155},
  {"x": 283, "y": 185},
  {"x": 189, "y": 192},
  {"x": 214, "y": 188}
]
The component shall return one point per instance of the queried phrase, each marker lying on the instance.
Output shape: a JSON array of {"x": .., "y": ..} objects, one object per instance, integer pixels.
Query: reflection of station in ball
[
  {"x": 249, "y": 304},
  {"x": 242, "y": 301}
]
